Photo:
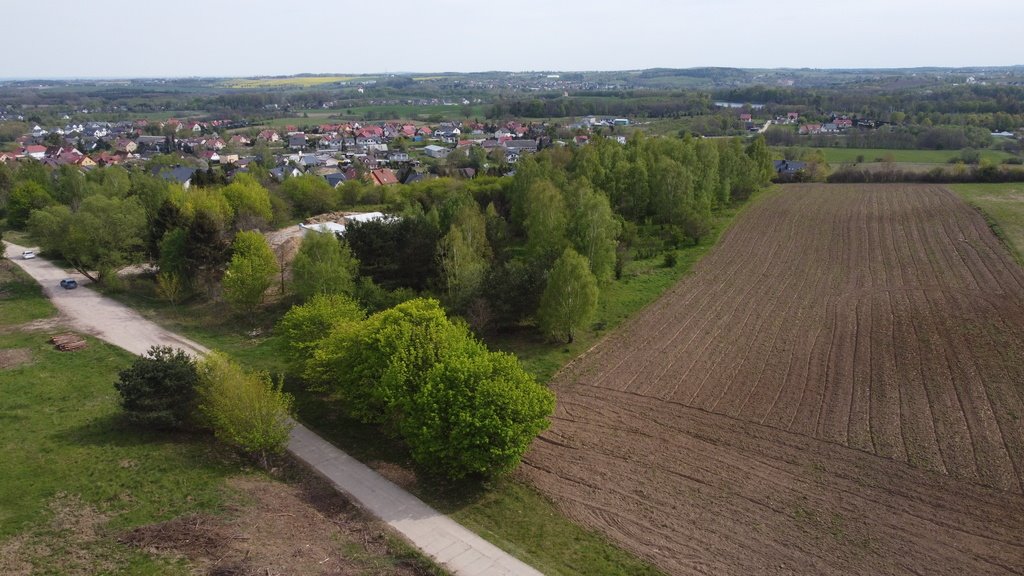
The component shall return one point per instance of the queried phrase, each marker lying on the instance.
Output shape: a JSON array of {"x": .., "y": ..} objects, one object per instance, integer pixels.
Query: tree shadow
[{"x": 115, "y": 429}]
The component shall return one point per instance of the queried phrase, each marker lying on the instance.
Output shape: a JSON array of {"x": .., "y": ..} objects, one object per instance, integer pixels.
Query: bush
[
  {"x": 159, "y": 389},
  {"x": 303, "y": 326},
  {"x": 670, "y": 259},
  {"x": 245, "y": 410},
  {"x": 461, "y": 409}
]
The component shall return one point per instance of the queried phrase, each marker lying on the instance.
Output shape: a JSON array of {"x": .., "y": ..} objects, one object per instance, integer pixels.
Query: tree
[
  {"x": 310, "y": 194},
  {"x": 25, "y": 197},
  {"x": 545, "y": 221},
  {"x": 593, "y": 230},
  {"x": 461, "y": 409},
  {"x": 245, "y": 410},
  {"x": 323, "y": 265},
  {"x": 158, "y": 390},
  {"x": 249, "y": 201},
  {"x": 205, "y": 247},
  {"x": 305, "y": 325},
  {"x": 170, "y": 287},
  {"x": 570, "y": 298},
  {"x": 250, "y": 272},
  {"x": 104, "y": 235},
  {"x": 463, "y": 264},
  {"x": 474, "y": 414}
]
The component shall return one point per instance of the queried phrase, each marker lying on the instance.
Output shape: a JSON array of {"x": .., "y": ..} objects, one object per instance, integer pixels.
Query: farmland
[{"x": 836, "y": 389}]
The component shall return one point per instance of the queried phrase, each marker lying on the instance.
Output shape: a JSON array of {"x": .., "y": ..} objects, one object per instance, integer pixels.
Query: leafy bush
[
  {"x": 246, "y": 410},
  {"x": 250, "y": 273},
  {"x": 474, "y": 415},
  {"x": 461, "y": 409},
  {"x": 159, "y": 389},
  {"x": 305, "y": 325}
]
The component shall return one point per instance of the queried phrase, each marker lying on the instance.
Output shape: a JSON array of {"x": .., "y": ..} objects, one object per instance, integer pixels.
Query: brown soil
[
  {"x": 838, "y": 388},
  {"x": 277, "y": 528},
  {"x": 13, "y": 357}
]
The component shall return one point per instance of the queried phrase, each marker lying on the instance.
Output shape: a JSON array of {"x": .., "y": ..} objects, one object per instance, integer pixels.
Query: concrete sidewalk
[
  {"x": 440, "y": 537},
  {"x": 448, "y": 543}
]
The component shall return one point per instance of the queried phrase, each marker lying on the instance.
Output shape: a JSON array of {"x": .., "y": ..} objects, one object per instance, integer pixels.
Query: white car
[{"x": 28, "y": 255}]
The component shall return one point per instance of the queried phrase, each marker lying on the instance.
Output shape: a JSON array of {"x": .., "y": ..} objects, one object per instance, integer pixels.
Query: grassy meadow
[
  {"x": 871, "y": 155},
  {"x": 1003, "y": 206}
]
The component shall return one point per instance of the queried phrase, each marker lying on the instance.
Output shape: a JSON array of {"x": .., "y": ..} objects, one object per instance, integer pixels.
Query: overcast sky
[{"x": 74, "y": 38}]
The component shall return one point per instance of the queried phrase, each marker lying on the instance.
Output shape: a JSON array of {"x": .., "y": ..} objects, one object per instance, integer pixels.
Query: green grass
[
  {"x": 1003, "y": 206},
  {"x": 849, "y": 155},
  {"x": 21, "y": 299},
  {"x": 413, "y": 112},
  {"x": 66, "y": 450}
]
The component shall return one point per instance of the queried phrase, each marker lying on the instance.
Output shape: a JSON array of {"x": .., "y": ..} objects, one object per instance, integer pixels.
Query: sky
[{"x": 75, "y": 39}]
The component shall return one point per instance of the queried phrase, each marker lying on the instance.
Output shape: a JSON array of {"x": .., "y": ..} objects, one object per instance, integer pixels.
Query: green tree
[
  {"x": 25, "y": 197},
  {"x": 475, "y": 413},
  {"x": 246, "y": 410},
  {"x": 570, "y": 298},
  {"x": 249, "y": 201},
  {"x": 304, "y": 326},
  {"x": 159, "y": 389},
  {"x": 250, "y": 272},
  {"x": 170, "y": 287},
  {"x": 461, "y": 409},
  {"x": 545, "y": 222},
  {"x": 593, "y": 230},
  {"x": 323, "y": 265},
  {"x": 310, "y": 194},
  {"x": 462, "y": 265},
  {"x": 104, "y": 235}
]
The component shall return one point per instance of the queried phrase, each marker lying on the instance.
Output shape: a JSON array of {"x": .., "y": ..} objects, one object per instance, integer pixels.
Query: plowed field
[{"x": 838, "y": 388}]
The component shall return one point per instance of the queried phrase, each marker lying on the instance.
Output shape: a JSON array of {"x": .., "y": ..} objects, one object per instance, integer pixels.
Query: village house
[
  {"x": 297, "y": 141},
  {"x": 383, "y": 177},
  {"x": 435, "y": 151}
]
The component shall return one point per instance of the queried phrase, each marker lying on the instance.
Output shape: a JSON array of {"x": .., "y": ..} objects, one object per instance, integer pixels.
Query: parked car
[
  {"x": 69, "y": 283},
  {"x": 28, "y": 255}
]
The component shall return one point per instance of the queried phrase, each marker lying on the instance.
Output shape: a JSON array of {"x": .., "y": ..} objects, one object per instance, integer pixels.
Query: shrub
[
  {"x": 474, "y": 415},
  {"x": 461, "y": 409},
  {"x": 670, "y": 259},
  {"x": 303, "y": 326},
  {"x": 159, "y": 389},
  {"x": 245, "y": 410}
]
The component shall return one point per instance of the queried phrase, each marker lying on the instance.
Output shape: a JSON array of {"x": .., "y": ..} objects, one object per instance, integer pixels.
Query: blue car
[{"x": 69, "y": 283}]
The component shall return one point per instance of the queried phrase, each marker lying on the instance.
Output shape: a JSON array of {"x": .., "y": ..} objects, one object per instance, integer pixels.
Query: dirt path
[
  {"x": 93, "y": 314},
  {"x": 448, "y": 543}
]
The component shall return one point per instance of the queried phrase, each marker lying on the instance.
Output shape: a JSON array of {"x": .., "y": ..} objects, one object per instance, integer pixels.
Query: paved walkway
[{"x": 448, "y": 543}]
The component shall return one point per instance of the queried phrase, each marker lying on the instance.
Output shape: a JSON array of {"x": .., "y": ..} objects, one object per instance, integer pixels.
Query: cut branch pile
[{"x": 68, "y": 342}]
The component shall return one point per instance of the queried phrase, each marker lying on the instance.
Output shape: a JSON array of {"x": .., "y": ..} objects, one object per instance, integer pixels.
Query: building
[{"x": 435, "y": 151}]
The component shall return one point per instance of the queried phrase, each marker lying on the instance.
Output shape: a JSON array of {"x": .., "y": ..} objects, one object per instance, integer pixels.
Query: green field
[
  {"x": 21, "y": 299},
  {"x": 850, "y": 155},
  {"x": 1003, "y": 206},
  {"x": 413, "y": 112},
  {"x": 74, "y": 475}
]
